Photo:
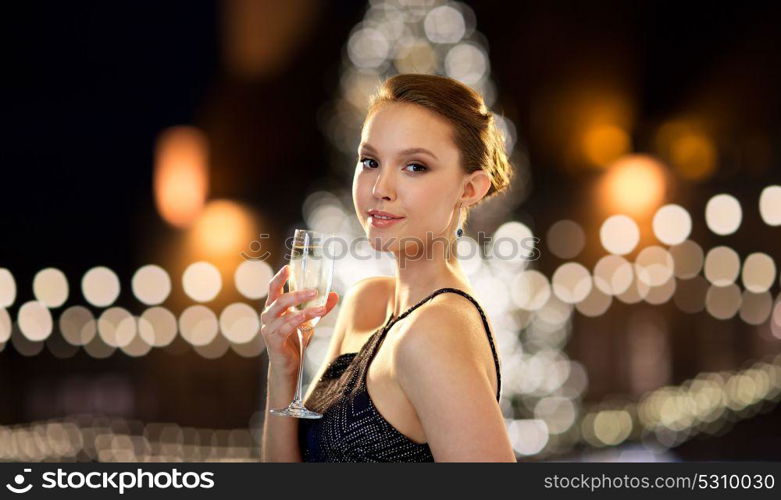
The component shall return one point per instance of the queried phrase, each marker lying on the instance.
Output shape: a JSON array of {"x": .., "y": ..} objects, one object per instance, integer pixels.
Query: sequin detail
[{"x": 352, "y": 429}]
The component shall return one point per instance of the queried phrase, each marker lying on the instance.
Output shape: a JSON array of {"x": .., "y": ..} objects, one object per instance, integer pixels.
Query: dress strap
[{"x": 391, "y": 321}]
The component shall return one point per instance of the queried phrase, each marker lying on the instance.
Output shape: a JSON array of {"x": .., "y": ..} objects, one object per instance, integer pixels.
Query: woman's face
[{"x": 408, "y": 166}]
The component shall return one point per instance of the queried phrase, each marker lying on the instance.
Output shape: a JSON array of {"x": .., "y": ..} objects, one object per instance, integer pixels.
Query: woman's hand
[{"x": 279, "y": 321}]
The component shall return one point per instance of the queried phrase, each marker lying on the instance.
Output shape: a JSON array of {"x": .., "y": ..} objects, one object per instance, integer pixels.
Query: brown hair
[{"x": 479, "y": 141}]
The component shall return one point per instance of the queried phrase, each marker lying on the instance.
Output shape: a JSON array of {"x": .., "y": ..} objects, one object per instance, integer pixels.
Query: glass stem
[{"x": 297, "y": 398}]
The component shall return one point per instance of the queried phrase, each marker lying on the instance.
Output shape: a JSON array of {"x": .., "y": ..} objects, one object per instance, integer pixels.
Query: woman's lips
[{"x": 382, "y": 223}]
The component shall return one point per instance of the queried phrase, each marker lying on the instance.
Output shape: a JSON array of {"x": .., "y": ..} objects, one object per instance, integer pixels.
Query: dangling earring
[{"x": 459, "y": 231}]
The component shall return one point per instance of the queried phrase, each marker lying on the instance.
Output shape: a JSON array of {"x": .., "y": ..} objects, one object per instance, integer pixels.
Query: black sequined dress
[{"x": 351, "y": 429}]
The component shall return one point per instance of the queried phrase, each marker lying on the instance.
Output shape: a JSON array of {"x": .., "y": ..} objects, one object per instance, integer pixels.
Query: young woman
[{"x": 412, "y": 372}]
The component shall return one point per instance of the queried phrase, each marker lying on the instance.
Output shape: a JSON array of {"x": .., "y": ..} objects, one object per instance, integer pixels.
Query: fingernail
[{"x": 311, "y": 293}]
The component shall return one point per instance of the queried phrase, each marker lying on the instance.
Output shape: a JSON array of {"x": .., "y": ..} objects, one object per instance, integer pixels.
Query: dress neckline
[
  {"x": 355, "y": 385},
  {"x": 378, "y": 330}
]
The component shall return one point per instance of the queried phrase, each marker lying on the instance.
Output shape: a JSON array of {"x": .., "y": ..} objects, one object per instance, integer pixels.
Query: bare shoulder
[
  {"x": 366, "y": 302},
  {"x": 448, "y": 327},
  {"x": 446, "y": 315},
  {"x": 443, "y": 364}
]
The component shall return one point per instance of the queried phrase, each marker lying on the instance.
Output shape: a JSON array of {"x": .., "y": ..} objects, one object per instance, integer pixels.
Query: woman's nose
[{"x": 383, "y": 186}]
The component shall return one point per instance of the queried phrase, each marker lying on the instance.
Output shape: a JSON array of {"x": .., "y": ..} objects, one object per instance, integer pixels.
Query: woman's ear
[{"x": 475, "y": 188}]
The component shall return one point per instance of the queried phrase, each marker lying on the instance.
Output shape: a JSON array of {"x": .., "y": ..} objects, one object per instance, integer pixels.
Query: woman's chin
[
  {"x": 377, "y": 237},
  {"x": 383, "y": 240}
]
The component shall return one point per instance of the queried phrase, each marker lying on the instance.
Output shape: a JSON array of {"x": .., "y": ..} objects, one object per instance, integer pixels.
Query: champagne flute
[{"x": 311, "y": 267}]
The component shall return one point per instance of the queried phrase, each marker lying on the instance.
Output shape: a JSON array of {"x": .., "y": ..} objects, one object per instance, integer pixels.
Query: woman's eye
[
  {"x": 419, "y": 166},
  {"x": 371, "y": 163},
  {"x": 368, "y": 162}
]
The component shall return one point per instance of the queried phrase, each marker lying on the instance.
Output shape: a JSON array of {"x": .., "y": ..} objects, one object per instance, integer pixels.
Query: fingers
[
  {"x": 276, "y": 285},
  {"x": 280, "y": 328},
  {"x": 286, "y": 301},
  {"x": 333, "y": 299}
]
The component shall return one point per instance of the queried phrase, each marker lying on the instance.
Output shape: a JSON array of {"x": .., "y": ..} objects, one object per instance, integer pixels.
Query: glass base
[{"x": 297, "y": 410}]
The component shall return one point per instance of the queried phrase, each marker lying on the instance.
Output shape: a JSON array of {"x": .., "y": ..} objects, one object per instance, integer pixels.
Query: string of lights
[{"x": 89, "y": 438}]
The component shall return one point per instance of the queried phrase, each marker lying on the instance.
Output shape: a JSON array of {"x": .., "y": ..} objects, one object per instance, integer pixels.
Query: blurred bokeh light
[{"x": 181, "y": 177}]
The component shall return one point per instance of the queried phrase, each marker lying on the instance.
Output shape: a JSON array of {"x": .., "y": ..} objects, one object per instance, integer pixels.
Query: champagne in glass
[{"x": 311, "y": 267}]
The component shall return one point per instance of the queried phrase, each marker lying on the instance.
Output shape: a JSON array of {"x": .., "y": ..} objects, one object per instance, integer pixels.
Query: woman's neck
[{"x": 416, "y": 279}]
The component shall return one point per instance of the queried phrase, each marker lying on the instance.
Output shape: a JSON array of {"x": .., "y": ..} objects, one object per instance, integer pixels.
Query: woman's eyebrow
[{"x": 408, "y": 151}]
